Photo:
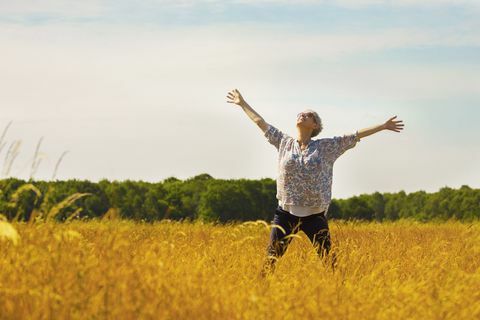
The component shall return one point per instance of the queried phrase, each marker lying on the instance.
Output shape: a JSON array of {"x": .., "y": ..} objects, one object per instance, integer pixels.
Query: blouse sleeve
[
  {"x": 340, "y": 144},
  {"x": 274, "y": 136}
]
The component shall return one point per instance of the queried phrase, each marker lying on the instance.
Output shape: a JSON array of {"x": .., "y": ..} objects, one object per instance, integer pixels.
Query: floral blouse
[{"x": 305, "y": 177}]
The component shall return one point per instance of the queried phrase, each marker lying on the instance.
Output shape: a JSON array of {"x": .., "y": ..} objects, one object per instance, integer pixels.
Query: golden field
[{"x": 185, "y": 270}]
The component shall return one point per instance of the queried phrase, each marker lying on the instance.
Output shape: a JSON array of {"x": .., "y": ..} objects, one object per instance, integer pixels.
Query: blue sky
[{"x": 137, "y": 90}]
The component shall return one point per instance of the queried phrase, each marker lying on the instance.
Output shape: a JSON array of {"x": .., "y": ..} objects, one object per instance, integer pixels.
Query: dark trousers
[{"x": 314, "y": 226}]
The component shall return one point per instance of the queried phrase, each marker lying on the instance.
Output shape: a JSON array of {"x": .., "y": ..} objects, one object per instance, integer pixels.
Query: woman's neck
[{"x": 304, "y": 136}]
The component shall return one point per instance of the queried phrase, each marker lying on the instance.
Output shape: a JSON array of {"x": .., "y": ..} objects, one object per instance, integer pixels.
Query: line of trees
[{"x": 203, "y": 197}]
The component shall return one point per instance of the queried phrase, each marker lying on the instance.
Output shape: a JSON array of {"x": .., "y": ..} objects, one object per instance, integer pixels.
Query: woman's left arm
[{"x": 390, "y": 124}]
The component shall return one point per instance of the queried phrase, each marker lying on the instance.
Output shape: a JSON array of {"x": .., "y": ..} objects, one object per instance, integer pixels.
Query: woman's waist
[{"x": 318, "y": 212}]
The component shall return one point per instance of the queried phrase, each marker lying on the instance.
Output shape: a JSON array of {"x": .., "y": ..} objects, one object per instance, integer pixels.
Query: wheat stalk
[
  {"x": 11, "y": 155},
  {"x": 16, "y": 197},
  {"x": 36, "y": 159},
  {"x": 55, "y": 210},
  {"x": 58, "y": 164},
  {"x": 2, "y": 143},
  {"x": 74, "y": 214}
]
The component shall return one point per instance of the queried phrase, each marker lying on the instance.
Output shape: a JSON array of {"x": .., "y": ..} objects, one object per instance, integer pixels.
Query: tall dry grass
[
  {"x": 171, "y": 270},
  {"x": 14, "y": 150}
]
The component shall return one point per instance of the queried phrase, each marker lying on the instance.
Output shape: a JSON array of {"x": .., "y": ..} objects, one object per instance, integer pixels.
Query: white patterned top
[{"x": 305, "y": 177}]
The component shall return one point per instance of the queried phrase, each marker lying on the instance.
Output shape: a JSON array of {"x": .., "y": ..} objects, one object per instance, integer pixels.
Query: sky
[{"x": 137, "y": 90}]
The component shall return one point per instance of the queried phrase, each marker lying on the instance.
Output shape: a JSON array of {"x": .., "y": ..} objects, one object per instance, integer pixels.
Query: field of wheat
[{"x": 180, "y": 270}]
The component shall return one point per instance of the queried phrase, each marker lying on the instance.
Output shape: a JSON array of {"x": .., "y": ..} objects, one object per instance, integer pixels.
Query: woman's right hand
[{"x": 234, "y": 96}]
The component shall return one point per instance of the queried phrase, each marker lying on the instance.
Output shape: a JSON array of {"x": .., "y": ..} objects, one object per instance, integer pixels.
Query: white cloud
[
  {"x": 264, "y": 44},
  {"x": 115, "y": 68}
]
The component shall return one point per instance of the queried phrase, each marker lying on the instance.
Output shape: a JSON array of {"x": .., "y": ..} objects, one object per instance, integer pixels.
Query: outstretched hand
[
  {"x": 394, "y": 125},
  {"x": 234, "y": 96}
]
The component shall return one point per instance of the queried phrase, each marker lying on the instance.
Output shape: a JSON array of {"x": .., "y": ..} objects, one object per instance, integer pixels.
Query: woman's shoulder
[{"x": 323, "y": 141}]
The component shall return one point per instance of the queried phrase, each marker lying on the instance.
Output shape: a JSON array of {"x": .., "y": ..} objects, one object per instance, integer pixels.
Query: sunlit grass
[{"x": 171, "y": 270}]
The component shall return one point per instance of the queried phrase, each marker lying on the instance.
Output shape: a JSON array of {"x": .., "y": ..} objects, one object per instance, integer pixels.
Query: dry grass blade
[
  {"x": 112, "y": 214},
  {"x": 248, "y": 223},
  {"x": 36, "y": 159},
  {"x": 55, "y": 210},
  {"x": 293, "y": 236},
  {"x": 16, "y": 197},
  {"x": 8, "y": 232},
  {"x": 58, "y": 164},
  {"x": 46, "y": 200},
  {"x": 26, "y": 187},
  {"x": 2, "y": 143},
  {"x": 279, "y": 227},
  {"x": 74, "y": 214},
  {"x": 34, "y": 216},
  {"x": 261, "y": 222},
  {"x": 10, "y": 157}
]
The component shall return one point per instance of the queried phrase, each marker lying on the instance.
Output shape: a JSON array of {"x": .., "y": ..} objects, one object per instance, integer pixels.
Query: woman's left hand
[{"x": 393, "y": 125}]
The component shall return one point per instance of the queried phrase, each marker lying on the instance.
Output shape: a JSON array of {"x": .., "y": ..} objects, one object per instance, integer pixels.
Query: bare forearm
[
  {"x": 234, "y": 96},
  {"x": 252, "y": 114},
  {"x": 371, "y": 130},
  {"x": 390, "y": 124}
]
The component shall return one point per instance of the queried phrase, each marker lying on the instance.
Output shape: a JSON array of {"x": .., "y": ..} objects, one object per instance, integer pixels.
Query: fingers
[
  {"x": 230, "y": 96},
  {"x": 398, "y": 124},
  {"x": 234, "y": 93},
  {"x": 397, "y": 129},
  {"x": 233, "y": 96}
]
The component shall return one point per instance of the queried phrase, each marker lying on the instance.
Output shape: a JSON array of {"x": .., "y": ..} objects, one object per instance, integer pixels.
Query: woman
[{"x": 304, "y": 182}]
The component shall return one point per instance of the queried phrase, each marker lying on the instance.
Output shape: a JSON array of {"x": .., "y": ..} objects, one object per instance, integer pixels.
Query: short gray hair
[{"x": 318, "y": 121}]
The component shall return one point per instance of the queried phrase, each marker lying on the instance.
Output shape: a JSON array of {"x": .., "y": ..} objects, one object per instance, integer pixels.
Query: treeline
[{"x": 203, "y": 197}]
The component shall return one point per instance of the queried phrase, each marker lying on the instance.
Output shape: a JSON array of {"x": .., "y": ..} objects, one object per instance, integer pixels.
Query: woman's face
[{"x": 306, "y": 120}]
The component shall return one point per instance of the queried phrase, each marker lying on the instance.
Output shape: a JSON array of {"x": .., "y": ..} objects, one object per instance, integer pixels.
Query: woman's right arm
[{"x": 235, "y": 97}]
